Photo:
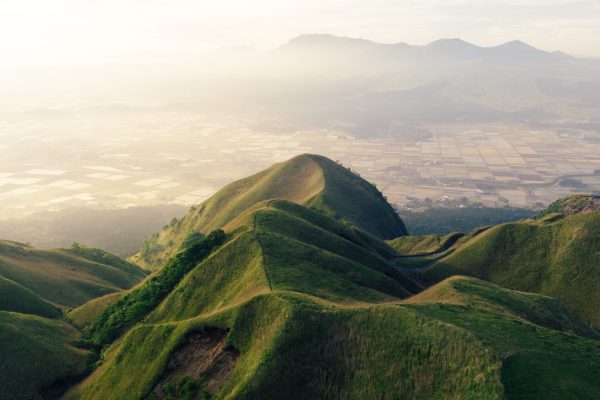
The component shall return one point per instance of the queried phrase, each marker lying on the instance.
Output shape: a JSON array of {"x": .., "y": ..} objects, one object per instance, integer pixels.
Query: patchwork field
[{"x": 185, "y": 160}]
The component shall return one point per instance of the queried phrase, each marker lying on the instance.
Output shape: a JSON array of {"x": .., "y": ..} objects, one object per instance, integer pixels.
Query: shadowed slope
[
  {"x": 35, "y": 353},
  {"x": 16, "y": 298}
]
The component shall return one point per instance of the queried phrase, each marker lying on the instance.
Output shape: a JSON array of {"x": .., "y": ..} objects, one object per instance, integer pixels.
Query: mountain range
[
  {"x": 300, "y": 282},
  {"x": 376, "y": 89}
]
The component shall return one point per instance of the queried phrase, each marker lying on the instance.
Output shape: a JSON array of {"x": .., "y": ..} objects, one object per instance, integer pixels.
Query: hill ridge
[{"x": 307, "y": 179}]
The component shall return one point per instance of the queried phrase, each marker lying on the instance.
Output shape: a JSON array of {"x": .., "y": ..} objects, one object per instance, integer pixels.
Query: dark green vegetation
[
  {"x": 443, "y": 220},
  {"x": 309, "y": 180},
  {"x": 38, "y": 357},
  {"x": 132, "y": 307},
  {"x": 301, "y": 298}
]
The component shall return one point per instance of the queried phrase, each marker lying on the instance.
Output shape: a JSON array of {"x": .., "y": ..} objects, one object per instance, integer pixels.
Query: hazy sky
[{"x": 66, "y": 32}]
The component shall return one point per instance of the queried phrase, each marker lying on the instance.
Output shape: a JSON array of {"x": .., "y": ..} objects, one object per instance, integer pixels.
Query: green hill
[
  {"x": 269, "y": 291},
  {"x": 458, "y": 341},
  {"x": 66, "y": 277},
  {"x": 295, "y": 304},
  {"x": 556, "y": 255},
  {"x": 16, "y": 298},
  {"x": 37, "y": 356},
  {"x": 310, "y": 180}
]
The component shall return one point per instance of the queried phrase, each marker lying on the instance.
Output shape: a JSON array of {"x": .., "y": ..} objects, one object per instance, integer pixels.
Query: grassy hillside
[
  {"x": 299, "y": 299},
  {"x": 424, "y": 244},
  {"x": 310, "y": 180},
  {"x": 455, "y": 341},
  {"x": 556, "y": 257},
  {"x": 36, "y": 355},
  {"x": 16, "y": 298},
  {"x": 66, "y": 278},
  {"x": 87, "y": 313},
  {"x": 295, "y": 304}
]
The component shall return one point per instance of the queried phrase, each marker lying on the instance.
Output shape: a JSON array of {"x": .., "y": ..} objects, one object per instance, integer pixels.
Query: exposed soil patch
[{"x": 201, "y": 362}]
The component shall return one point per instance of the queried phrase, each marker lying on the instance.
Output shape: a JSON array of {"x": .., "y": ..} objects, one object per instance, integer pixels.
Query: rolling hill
[
  {"x": 310, "y": 180},
  {"x": 267, "y": 291},
  {"x": 294, "y": 303},
  {"x": 66, "y": 277},
  {"x": 556, "y": 255},
  {"x": 38, "y": 353}
]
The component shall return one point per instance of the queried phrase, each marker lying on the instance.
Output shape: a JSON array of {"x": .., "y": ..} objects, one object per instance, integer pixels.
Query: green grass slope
[
  {"x": 310, "y": 180},
  {"x": 36, "y": 355},
  {"x": 424, "y": 244},
  {"x": 16, "y": 298},
  {"x": 559, "y": 258},
  {"x": 280, "y": 246},
  {"x": 456, "y": 341},
  {"x": 66, "y": 278},
  {"x": 298, "y": 305}
]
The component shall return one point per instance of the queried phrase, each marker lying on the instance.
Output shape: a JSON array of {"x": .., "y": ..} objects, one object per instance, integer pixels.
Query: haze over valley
[
  {"x": 499, "y": 126},
  {"x": 395, "y": 200}
]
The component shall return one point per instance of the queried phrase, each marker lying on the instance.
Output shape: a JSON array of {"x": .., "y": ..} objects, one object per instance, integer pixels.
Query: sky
[{"x": 106, "y": 32}]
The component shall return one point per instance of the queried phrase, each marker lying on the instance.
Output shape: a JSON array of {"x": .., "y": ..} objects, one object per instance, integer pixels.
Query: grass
[
  {"x": 557, "y": 258},
  {"x": 16, "y": 298},
  {"x": 308, "y": 304},
  {"x": 63, "y": 277},
  {"x": 313, "y": 307},
  {"x": 541, "y": 358},
  {"x": 87, "y": 313},
  {"x": 36, "y": 354},
  {"x": 455, "y": 342},
  {"x": 136, "y": 304},
  {"x": 424, "y": 244}
]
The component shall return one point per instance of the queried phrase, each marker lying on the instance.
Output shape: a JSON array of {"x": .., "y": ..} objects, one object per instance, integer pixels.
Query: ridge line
[{"x": 262, "y": 252}]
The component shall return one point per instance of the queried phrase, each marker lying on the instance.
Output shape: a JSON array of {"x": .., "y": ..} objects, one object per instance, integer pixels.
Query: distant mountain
[{"x": 374, "y": 89}]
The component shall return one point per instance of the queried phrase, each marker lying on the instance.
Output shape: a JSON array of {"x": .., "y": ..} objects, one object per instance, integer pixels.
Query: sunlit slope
[
  {"x": 554, "y": 255},
  {"x": 35, "y": 354},
  {"x": 424, "y": 244},
  {"x": 544, "y": 351},
  {"x": 86, "y": 313},
  {"x": 282, "y": 246},
  {"x": 66, "y": 278},
  {"x": 310, "y": 180},
  {"x": 456, "y": 341}
]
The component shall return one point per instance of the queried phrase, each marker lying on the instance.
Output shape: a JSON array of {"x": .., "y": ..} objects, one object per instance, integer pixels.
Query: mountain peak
[
  {"x": 324, "y": 39},
  {"x": 451, "y": 43},
  {"x": 517, "y": 45},
  {"x": 309, "y": 180}
]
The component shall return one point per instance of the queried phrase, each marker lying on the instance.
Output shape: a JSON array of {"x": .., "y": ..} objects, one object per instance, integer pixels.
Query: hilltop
[{"x": 309, "y": 180}]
